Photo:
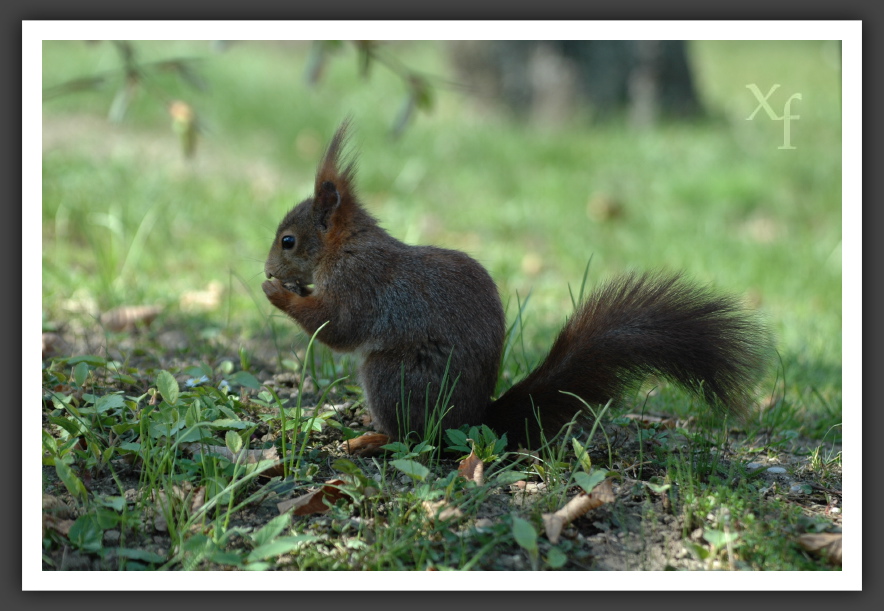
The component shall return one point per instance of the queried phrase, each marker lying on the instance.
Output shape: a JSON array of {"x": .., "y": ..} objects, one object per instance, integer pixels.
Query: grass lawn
[{"x": 128, "y": 221}]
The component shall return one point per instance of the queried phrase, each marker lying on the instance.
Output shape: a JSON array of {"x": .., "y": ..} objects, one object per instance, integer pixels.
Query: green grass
[{"x": 127, "y": 220}]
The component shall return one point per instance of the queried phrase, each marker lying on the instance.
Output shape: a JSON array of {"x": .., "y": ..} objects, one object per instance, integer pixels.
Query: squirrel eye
[{"x": 288, "y": 242}]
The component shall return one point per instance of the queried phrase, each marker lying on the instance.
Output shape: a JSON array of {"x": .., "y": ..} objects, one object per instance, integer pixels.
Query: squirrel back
[{"x": 428, "y": 325}]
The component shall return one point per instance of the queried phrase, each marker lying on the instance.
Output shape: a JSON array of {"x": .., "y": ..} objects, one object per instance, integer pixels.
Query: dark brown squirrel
[{"x": 419, "y": 315}]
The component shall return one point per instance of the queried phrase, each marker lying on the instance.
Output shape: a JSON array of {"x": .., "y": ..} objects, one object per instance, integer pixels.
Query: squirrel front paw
[{"x": 276, "y": 293}]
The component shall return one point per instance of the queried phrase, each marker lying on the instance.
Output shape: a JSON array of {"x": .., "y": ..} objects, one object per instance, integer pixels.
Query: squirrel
[{"x": 428, "y": 325}]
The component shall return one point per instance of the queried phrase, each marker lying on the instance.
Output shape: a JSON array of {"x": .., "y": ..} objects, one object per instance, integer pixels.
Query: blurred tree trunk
[{"x": 549, "y": 80}]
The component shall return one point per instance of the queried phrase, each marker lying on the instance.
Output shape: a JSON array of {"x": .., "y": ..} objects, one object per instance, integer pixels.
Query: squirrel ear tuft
[
  {"x": 334, "y": 167},
  {"x": 325, "y": 203},
  {"x": 334, "y": 180}
]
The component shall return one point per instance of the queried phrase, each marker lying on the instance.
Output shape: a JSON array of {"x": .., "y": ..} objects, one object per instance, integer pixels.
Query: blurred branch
[
  {"x": 419, "y": 91},
  {"x": 135, "y": 76}
]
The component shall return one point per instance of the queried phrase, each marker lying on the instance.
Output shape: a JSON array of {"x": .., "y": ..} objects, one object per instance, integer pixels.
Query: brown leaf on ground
[
  {"x": 126, "y": 318},
  {"x": 59, "y": 525},
  {"x": 472, "y": 468},
  {"x": 576, "y": 507},
  {"x": 199, "y": 498},
  {"x": 276, "y": 470},
  {"x": 167, "y": 501},
  {"x": 827, "y": 545},
  {"x": 55, "y": 506},
  {"x": 646, "y": 421},
  {"x": 314, "y": 502},
  {"x": 441, "y": 510},
  {"x": 369, "y": 444},
  {"x": 209, "y": 299},
  {"x": 56, "y": 515},
  {"x": 248, "y": 457}
]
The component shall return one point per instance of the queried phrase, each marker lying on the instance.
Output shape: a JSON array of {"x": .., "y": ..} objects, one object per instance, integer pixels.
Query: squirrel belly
[{"x": 428, "y": 325}]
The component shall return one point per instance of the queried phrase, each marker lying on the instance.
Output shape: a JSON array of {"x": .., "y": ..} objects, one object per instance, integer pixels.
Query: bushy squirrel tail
[{"x": 632, "y": 327}]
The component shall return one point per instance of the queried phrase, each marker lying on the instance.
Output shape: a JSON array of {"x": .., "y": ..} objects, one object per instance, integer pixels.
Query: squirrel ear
[
  {"x": 333, "y": 189},
  {"x": 325, "y": 203}
]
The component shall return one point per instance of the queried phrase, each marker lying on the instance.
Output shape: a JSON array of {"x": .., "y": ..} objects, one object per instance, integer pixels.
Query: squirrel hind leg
[
  {"x": 417, "y": 392},
  {"x": 386, "y": 390}
]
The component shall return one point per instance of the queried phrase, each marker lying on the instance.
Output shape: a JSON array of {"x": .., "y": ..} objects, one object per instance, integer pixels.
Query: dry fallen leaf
[
  {"x": 126, "y": 318},
  {"x": 472, "y": 468},
  {"x": 209, "y": 299},
  {"x": 365, "y": 445},
  {"x": 199, "y": 498},
  {"x": 60, "y": 525},
  {"x": 441, "y": 511},
  {"x": 55, "y": 506},
  {"x": 277, "y": 469},
  {"x": 185, "y": 124},
  {"x": 171, "y": 498},
  {"x": 827, "y": 545},
  {"x": 244, "y": 456},
  {"x": 576, "y": 507},
  {"x": 56, "y": 514},
  {"x": 314, "y": 502}
]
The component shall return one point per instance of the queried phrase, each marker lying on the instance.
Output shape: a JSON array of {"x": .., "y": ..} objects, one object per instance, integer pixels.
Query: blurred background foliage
[{"x": 167, "y": 166}]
